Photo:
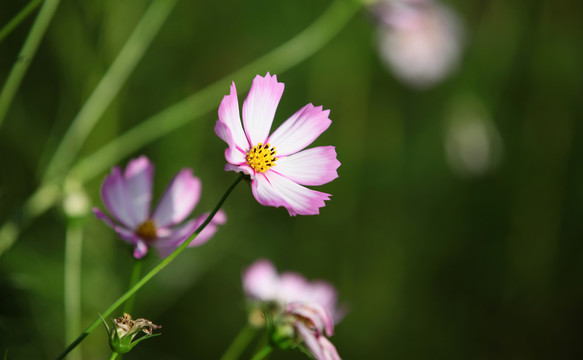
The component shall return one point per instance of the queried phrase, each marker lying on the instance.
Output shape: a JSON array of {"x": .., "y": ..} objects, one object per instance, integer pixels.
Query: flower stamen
[
  {"x": 147, "y": 230},
  {"x": 261, "y": 157}
]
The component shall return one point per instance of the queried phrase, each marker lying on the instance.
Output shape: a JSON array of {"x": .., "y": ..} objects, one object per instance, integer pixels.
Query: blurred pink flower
[
  {"x": 127, "y": 197},
  {"x": 309, "y": 308},
  {"x": 419, "y": 40},
  {"x": 277, "y": 180}
]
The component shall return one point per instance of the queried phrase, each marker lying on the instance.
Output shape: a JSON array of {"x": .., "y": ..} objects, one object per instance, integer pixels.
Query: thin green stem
[
  {"x": 19, "y": 18},
  {"x": 240, "y": 343},
  {"x": 150, "y": 274},
  {"x": 72, "y": 296},
  {"x": 278, "y": 60},
  {"x": 26, "y": 55},
  {"x": 109, "y": 86},
  {"x": 263, "y": 353},
  {"x": 136, "y": 272},
  {"x": 113, "y": 356}
]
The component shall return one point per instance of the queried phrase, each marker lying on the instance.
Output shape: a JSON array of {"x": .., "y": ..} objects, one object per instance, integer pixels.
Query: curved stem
[
  {"x": 263, "y": 353},
  {"x": 19, "y": 18},
  {"x": 72, "y": 296},
  {"x": 109, "y": 86},
  {"x": 136, "y": 272},
  {"x": 240, "y": 343},
  {"x": 26, "y": 55},
  {"x": 113, "y": 356},
  {"x": 150, "y": 274}
]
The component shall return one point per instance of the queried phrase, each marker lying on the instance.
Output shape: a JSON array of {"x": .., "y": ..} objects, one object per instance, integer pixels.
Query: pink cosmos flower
[
  {"x": 309, "y": 307},
  {"x": 127, "y": 196},
  {"x": 277, "y": 164}
]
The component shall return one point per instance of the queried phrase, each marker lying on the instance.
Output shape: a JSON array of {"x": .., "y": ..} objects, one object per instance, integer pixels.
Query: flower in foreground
[
  {"x": 277, "y": 164},
  {"x": 127, "y": 196},
  {"x": 419, "y": 40},
  {"x": 122, "y": 336},
  {"x": 300, "y": 312}
]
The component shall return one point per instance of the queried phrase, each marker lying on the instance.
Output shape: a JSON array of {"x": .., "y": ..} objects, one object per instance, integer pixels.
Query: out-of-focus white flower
[
  {"x": 473, "y": 145},
  {"x": 420, "y": 41}
]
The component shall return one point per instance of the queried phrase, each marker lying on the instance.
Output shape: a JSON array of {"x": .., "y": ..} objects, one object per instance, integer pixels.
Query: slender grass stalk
[
  {"x": 280, "y": 59},
  {"x": 109, "y": 86},
  {"x": 263, "y": 353},
  {"x": 240, "y": 343},
  {"x": 150, "y": 274},
  {"x": 136, "y": 272},
  {"x": 26, "y": 55},
  {"x": 19, "y": 18},
  {"x": 72, "y": 296}
]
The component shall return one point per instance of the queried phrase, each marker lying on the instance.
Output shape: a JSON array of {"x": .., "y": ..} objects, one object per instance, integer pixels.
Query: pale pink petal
[
  {"x": 316, "y": 313},
  {"x": 260, "y": 280},
  {"x": 273, "y": 189},
  {"x": 233, "y": 153},
  {"x": 174, "y": 237},
  {"x": 138, "y": 176},
  {"x": 246, "y": 169},
  {"x": 316, "y": 166},
  {"x": 125, "y": 234},
  {"x": 310, "y": 340},
  {"x": 259, "y": 107},
  {"x": 179, "y": 199},
  {"x": 115, "y": 197},
  {"x": 328, "y": 349},
  {"x": 229, "y": 115},
  {"x": 300, "y": 130},
  {"x": 292, "y": 287},
  {"x": 325, "y": 294},
  {"x": 140, "y": 249}
]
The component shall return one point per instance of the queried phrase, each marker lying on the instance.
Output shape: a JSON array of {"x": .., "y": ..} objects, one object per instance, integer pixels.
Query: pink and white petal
[
  {"x": 324, "y": 294},
  {"x": 273, "y": 189},
  {"x": 125, "y": 234},
  {"x": 179, "y": 199},
  {"x": 220, "y": 218},
  {"x": 140, "y": 249},
  {"x": 259, "y": 107},
  {"x": 328, "y": 349},
  {"x": 246, "y": 169},
  {"x": 300, "y": 130},
  {"x": 260, "y": 280},
  {"x": 233, "y": 154},
  {"x": 229, "y": 116},
  {"x": 316, "y": 166},
  {"x": 315, "y": 313},
  {"x": 138, "y": 177},
  {"x": 292, "y": 287},
  {"x": 310, "y": 340},
  {"x": 115, "y": 197}
]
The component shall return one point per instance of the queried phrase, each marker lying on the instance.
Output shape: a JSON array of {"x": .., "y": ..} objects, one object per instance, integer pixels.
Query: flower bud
[{"x": 123, "y": 335}]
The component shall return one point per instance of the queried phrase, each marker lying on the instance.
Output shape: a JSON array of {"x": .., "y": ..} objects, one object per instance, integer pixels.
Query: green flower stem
[
  {"x": 150, "y": 274},
  {"x": 72, "y": 296},
  {"x": 109, "y": 86},
  {"x": 278, "y": 60},
  {"x": 136, "y": 272},
  {"x": 113, "y": 356},
  {"x": 263, "y": 353},
  {"x": 240, "y": 343},
  {"x": 26, "y": 55},
  {"x": 19, "y": 18}
]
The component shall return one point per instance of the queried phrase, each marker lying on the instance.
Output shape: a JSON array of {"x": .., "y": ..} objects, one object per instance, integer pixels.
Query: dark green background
[{"x": 430, "y": 264}]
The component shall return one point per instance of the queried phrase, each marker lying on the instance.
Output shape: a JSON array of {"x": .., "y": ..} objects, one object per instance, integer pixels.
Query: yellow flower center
[
  {"x": 147, "y": 230},
  {"x": 261, "y": 157}
]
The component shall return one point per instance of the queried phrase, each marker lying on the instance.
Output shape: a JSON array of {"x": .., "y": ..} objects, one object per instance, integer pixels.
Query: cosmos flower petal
[
  {"x": 260, "y": 280},
  {"x": 138, "y": 177},
  {"x": 165, "y": 246},
  {"x": 233, "y": 154},
  {"x": 315, "y": 166},
  {"x": 259, "y": 107},
  {"x": 141, "y": 249},
  {"x": 125, "y": 234},
  {"x": 246, "y": 169},
  {"x": 328, "y": 349},
  {"x": 311, "y": 341},
  {"x": 315, "y": 313},
  {"x": 179, "y": 199},
  {"x": 273, "y": 189},
  {"x": 300, "y": 130},
  {"x": 115, "y": 197},
  {"x": 229, "y": 116}
]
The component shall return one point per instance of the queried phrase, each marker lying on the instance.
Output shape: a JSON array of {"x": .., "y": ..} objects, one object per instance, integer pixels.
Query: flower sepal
[{"x": 123, "y": 336}]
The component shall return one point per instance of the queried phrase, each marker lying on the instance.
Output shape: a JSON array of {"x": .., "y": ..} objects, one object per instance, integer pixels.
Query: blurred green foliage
[{"x": 430, "y": 263}]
